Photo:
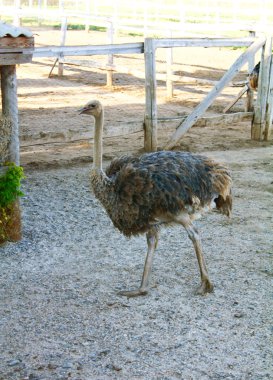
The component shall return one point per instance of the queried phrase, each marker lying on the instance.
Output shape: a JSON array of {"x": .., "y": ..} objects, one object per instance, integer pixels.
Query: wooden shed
[{"x": 16, "y": 47}]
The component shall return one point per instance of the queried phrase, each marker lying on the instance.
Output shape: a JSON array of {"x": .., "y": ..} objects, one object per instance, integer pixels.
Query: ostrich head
[{"x": 93, "y": 107}]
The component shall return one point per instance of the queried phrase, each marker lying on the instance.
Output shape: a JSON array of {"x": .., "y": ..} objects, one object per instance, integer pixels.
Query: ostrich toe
[
  {"x": 134, "y": 293},
  {"x": 205, "y": 287}
]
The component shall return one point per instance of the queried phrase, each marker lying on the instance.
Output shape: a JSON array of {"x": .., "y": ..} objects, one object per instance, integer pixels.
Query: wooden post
[
  {"x": 16, "y": 17},
  {"x": 169, "y": 82},
  {"x": 10, "y": 108},
  {"x": 249, "y": 104},
  {"x": 259, "y": 120},
  {"x": 110, "y": 59},
  {"x": 62, "y": 43},
  {"x": 269, "y": 104},
  {"x": 40, "y": 12},
  {"x": 10, "y": 217},
  {"x": 87, "y": 12},
  {"x": 150, "y": 122}
]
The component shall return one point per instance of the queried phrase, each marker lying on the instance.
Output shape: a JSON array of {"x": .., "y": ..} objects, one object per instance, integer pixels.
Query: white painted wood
[
  {"x": 269, "y": 105},
  {"x": 110, "y": 58},
  {"x": 169, "y": 73},
  {"x": 202, "y": 42},
  {"x": 259, "y": 120},
  {"x": 203, "y": 106},
  {"x": 54, "y": 51},
  {"x": 62, "y": 43}
]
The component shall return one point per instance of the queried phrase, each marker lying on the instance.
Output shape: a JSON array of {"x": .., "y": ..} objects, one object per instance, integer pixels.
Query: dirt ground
[{"x": 61, "y": 317}]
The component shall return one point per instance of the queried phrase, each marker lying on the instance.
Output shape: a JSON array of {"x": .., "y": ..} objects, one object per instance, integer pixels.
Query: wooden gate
[{"x": 262, "y": 120}]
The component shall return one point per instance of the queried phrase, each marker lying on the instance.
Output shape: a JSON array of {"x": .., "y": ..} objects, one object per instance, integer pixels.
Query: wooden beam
[
  {"x": 203, "y": 106},
  {"x": 62, "y": 43},
  {"x": 14, "y": 58},
  {"x": 54, "y": 51},
  {"x": 269, "y": 105},
  {"x": 150, "y": 120},
  {"x": 10, "y": 107},
  {"x": 169, "y": 73},
  {"x": 249, "y": 104},
  {"x": 259, "y": 120},
  {"x": 202, "y": 42}
]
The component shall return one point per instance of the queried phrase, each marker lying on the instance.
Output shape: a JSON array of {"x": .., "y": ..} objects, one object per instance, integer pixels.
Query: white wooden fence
[
  {"x": 151, "y": 17},
  {"x": 263, "y": 112},
  {"x": 262, "y": 124}
]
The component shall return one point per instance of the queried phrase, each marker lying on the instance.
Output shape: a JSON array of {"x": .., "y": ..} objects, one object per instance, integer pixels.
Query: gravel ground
[{"x": 62, "y": 319}]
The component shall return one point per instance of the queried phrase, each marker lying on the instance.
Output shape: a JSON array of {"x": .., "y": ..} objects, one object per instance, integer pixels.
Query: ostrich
[
  {"x": 140, "y": 194},
  {"x": 254, "y": 77}
]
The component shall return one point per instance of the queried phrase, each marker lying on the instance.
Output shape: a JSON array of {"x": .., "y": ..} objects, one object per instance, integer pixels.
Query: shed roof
[{"x": 13, "y": 31}]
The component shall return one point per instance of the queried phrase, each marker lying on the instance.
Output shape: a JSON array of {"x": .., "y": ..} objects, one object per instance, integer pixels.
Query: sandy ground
[{"x": 61, "y": 317}]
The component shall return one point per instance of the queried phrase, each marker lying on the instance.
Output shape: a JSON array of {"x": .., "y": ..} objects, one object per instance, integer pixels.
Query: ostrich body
[{"x": 140, "y": 194}]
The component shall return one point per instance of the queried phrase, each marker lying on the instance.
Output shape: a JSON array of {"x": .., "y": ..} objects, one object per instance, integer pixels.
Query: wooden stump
[{"x": 10, "y": 223}]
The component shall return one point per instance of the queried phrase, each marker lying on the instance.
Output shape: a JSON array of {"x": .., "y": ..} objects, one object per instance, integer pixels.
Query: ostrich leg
[
  {"x": 152, "y": 240},
  {"x": 206, "y": 286}
]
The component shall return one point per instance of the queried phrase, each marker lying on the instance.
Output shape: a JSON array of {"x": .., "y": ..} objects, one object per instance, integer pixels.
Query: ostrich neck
[{"x": 97, "y": 161}]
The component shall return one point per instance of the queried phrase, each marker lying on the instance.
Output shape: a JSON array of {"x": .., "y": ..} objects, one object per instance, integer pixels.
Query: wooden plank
[
  {"x": 14, "y": 58},
  {"x": 10, "y": 107},
  {"x": 110, "y": 58},
  {"x": 269, "y": 105},
  {"x": 203, "y": 106},
  {"x": 202, "y": 42},
  {"x": 62, "y": 43},
  {"x": 259, "y": 120},
  {"x": 150, "y": 120},
  {"x": 54, "y": 51},
  {"x": 169, "y": 73}
]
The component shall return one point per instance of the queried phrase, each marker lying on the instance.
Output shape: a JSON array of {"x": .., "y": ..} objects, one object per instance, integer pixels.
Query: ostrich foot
[
  {"x": 205, "y": 287},
  {"x": 134, "y": 293}
]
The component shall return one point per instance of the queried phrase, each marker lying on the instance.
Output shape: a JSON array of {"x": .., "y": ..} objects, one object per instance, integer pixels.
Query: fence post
[
  {"x": 10, "y": 108},
  {"x": 110, "y": 59},
  {"x": 169, "y": 82},
  {"x": 150, "y": 121},
  {"x": 269, "y": 104},
  {"x": 259, "y": 120},
  {"x": 16, "y": 17},
  {"x": 62, "y": 43},
  {"x": 249, "y": 105},
  {"x": 87, "y": 12}
]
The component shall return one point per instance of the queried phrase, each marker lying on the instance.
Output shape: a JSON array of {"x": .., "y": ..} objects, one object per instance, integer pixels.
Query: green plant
[{"x": 10, "y": 183}]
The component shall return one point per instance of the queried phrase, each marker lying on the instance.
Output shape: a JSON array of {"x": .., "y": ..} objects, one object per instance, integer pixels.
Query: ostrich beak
[{"x": 82, "y": 110}]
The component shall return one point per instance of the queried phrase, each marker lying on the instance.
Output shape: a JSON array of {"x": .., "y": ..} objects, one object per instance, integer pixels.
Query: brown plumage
[
  {"x": 140, "y": 194},
  {"x": 254, "y": 77}
]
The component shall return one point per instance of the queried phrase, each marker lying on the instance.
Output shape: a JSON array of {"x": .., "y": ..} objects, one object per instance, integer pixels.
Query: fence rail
[{"x": 263, "y": 114}]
